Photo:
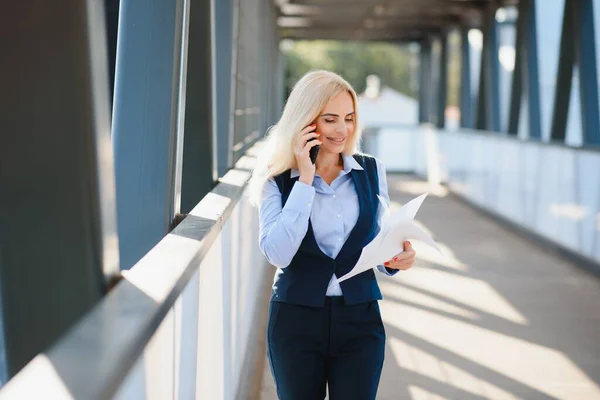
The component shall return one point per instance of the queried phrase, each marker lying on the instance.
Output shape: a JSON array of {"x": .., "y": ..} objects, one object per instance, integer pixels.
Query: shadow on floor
[{"x": 498, "y": 318}]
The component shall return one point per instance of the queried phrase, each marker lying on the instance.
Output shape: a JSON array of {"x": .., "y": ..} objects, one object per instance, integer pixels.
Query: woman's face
[{"x": 336, "y": 123}]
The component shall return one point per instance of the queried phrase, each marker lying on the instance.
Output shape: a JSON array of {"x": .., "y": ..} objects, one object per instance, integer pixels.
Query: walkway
[{"x": 500, "y": 318}]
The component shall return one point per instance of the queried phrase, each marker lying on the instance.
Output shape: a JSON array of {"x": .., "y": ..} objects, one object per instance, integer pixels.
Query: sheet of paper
[{"x": 395, "y": 229}]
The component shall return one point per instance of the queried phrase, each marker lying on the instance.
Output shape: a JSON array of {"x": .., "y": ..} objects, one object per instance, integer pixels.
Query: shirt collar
[{"x": 350, "y": 163}]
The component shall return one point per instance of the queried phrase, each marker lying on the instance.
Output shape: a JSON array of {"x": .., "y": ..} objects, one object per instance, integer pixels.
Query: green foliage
[
  {"x": 454, "y": 43},
  {"x": 394, "y": 64}
]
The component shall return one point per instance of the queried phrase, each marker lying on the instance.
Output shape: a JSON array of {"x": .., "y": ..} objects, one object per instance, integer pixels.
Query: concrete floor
[{"x": 499, "y": 318}]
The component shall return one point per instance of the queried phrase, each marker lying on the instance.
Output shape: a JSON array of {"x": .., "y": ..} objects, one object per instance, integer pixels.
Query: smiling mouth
[{"x": 339, "y": 140}]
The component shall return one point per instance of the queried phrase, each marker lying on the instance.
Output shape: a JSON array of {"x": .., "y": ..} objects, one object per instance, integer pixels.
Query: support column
[
  {"x": 564, "y": 77},
  {"x": 516, "y": 92},
  {"x": 58, "y": 241},
  {"x": 224, "y": 43},
  {"x": 146, "y": 121},
  {"x": 488, "y": 111},
  {"x": 585, "y": 57},
  {"x": 466, "y": 99},
  {"x": 112, "y": 23},
  {"x": 577, "y": 44},
  {"x": 425, "y": 82},
  {"x": 280, "y": 67},
  {"x": 526, "y": 74},
  {"x": 443, "y": 82}
]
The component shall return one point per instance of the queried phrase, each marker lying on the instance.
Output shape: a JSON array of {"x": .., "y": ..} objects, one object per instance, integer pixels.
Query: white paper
[{"x": 389, "y": 242}]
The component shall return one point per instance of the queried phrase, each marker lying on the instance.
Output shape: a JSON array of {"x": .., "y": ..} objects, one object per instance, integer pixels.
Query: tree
[{"x": 354, "y": 61}]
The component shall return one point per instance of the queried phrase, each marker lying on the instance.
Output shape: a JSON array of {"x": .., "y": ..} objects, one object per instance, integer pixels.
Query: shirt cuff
[
  {"x": 300, "y": 199},
  {"x": 387, "y": 271}
]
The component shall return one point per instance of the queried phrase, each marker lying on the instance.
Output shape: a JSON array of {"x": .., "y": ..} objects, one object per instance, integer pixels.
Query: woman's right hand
[{"x": 302, "y": 153}]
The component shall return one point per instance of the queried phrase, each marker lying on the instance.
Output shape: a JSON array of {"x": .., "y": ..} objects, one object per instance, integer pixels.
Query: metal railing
[
  {"x": 185, "y": 322},
  {"x": 549, "y": 190}
]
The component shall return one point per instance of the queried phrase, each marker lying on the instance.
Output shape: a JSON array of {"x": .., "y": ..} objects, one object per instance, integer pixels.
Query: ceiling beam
[
  {"x": 355, "y": 34},
  {"x": 383, "y": 14},
  {"x": 354, "y": 18},
  {"x": 376, "y": 25},
  {"x": 440, "y": 7},
  {"x": 397, "y": 3}
]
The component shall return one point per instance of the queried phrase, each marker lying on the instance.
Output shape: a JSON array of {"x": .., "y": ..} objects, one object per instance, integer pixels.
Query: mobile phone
[{"x": 314, "y": 150}]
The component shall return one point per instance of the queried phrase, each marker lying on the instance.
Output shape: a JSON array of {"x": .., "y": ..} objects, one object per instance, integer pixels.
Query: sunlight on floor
[
  {"x": 426, "y": 253},
  {"x": 444, "y": 373},
  {"x": 473, "y": 293},
  {"x": 417, "y": 188},
  {"x": 406, "y": 295},
  {"x": 476, "y": 331},
  {"x": 454, "y": 341}
]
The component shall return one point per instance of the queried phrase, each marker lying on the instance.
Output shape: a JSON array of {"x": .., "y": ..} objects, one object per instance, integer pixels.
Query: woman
[{"x": 314, "y": 221}]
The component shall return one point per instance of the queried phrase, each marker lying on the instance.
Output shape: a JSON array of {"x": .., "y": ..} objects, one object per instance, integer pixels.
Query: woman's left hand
[{"x": 403, "y": 260}]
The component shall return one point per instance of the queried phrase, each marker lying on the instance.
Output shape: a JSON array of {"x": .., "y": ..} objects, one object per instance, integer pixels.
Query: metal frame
[
  {"x": 280, "y": 66},
  {"x": 145, "y": 122},
  {"x": 224, "y": 44},
  {"x": 271, "y": 62},
  {"x": 442, "y": 82},
  {"x": 251, "y": 111},
  {"x": 111, "y": 8},
  {"x": 425, "y": 89},
  {"x": 58, "y": 242},
  {"x": 200, "y": 147},
  {"x": 466, "y": 99},
  {"x": 234, "y": 73},
  {"x": 93, "y": 359},
  {"x": 526, "y": 74},
  {"x": 488, "y": 105},
  {"x": 564, "y": 77},
  {"x": 178, "y": 172},
  {"x": 585, "y": 56},
  {"x": 393, "y": 35},
  {"x": 577, "y": 45}
]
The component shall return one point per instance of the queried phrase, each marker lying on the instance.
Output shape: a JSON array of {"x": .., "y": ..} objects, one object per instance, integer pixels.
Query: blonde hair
[{"x": 307, "y": 100}]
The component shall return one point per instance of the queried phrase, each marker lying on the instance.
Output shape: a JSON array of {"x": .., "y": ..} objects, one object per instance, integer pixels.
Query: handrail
[
  {"x": 92, "y": 359},
  {"x": 488, "y": 134}
]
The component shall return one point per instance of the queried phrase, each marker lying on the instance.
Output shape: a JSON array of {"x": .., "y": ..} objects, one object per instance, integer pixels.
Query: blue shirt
[{"x": 333, "y": 212}]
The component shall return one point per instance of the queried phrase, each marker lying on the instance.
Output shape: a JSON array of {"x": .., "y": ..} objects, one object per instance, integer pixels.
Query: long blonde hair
[{"x": 307, "y": 100}]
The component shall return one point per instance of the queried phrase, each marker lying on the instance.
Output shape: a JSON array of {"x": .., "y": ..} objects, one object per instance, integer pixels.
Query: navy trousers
[{"x": 338, "y": 345}]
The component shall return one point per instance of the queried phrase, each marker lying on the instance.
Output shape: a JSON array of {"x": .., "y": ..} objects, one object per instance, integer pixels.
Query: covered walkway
[
  {"x": 129, "y": 264},
  {"x": 502, "y": 318}
]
